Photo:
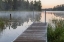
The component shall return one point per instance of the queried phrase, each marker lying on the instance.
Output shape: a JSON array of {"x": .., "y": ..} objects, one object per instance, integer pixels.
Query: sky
[{"x": 51, "y": 3}]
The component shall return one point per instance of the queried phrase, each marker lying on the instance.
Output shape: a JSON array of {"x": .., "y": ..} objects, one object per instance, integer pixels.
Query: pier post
[
  {"x": 45, "y": 16},
  {"x": 10, "y": 16},
  {"x": 33, "y": 13}
]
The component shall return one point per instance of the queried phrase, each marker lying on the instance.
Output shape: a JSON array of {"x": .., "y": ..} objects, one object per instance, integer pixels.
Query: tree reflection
[
  {"x": 18, "y": 20},
  {"x": 14, "y": 25},
  {"x": 59, "y": 14},
  {"x": 1, "y": 31},
  {"x": 2, "y": 26},
  {"x": 37, "y": 17}
]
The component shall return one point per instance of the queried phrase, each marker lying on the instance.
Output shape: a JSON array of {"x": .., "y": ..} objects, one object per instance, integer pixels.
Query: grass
[
  {"x": 1, "y": 23},
  {"x": 57, "y": 34}
]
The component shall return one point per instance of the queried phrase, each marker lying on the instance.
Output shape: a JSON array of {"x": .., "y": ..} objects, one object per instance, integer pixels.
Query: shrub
[
  {"x": 56, "y": 35},
  {"x": 1, "y": 24}
]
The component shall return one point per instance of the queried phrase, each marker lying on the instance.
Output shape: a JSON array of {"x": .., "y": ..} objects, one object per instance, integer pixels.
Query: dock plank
[{"x": 35, "y": 33}]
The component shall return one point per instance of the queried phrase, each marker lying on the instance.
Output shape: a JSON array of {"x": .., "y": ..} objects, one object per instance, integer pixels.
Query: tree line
[
  {"x": 7, "y": 5},
  {"x": 59, "y": 8}
]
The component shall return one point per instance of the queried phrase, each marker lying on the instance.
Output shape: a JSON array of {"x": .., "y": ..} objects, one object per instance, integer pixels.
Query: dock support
[
  {"x": 10, "y": 16},
  {"x": 33, "y": 13},
  {"x": 45, "y": 16}
]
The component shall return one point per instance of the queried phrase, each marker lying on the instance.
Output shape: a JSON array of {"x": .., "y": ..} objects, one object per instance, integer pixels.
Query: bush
[
  {"x": 56, "y": 35},
  {"x": 1, "y": 24}
]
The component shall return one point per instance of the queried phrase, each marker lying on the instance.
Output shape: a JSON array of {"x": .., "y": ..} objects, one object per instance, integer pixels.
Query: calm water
[{"x": 21, "y": 20}]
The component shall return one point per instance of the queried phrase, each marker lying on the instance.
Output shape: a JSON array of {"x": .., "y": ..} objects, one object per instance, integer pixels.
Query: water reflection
[
  {"x": 14, "y": 25},
  {"x": 37, "y": 17},
  {"x": 18, "y": 18},
  {"x": 1, "y": 30},
  {"x": 20, "y": 22},
  {"x": 58, "y": 14}
]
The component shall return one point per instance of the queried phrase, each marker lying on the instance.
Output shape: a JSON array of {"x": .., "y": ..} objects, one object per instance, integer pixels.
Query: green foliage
[
  {"x": 37, "y": 5},
  {"x": 1, "y": 24},
  {"x": 57, "y": 34}
]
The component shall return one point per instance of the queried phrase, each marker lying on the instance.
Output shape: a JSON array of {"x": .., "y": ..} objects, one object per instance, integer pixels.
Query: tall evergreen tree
[
  {"x": 14, "y": 4},
  {"x": 22, "y": 5},
  {"x": 0, "y": 4},
  {"x": 35, "y": 5},
  {"x": 27, "y": 5},
  {"x": 10, "y": 4},
  {"x": 39, "y": 6},
  {"x": 6, "y": 5},
  {"x": 31, "y": 5}
]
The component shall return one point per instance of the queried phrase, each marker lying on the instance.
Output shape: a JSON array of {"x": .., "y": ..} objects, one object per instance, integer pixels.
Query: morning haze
[{"x": 31, "y": 20}]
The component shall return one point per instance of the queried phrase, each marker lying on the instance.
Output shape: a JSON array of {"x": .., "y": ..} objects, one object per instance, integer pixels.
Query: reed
[{"x": 57, "y": 34}]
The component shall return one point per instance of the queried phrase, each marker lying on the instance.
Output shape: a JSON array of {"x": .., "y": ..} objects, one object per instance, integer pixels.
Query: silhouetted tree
[
  {"x": 20, "y": 5},
  {"x": 27, "y": 4},
  {"x": 31, "y": 5},
  {"x": 37, "y": 5},
  {"x": 14, "y": 4},
  {"x": 6, "y": 5},
  {"x": 0, "y": 4},
  {"x": 9, "y": 4},
  {"x": 59, "y": 7}
]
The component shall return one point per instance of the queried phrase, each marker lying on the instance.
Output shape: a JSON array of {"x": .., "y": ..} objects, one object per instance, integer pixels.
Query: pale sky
[{"x": 50, "y": 3}]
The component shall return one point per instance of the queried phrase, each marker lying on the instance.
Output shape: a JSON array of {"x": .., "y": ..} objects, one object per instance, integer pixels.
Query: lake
[{"x": 21, "y": 20}]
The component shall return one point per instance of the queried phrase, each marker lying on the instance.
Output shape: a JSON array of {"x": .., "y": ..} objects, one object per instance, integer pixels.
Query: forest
[
  {"x": 15, "y": 5},
  {"x": 59, "y": 8}
]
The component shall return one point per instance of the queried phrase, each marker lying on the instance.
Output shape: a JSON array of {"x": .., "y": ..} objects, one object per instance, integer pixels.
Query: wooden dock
[{"x": 37, "y": 32}]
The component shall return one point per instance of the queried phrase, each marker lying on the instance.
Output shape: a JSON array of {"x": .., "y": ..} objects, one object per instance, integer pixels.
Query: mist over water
[{"x": 21, "y": 20}]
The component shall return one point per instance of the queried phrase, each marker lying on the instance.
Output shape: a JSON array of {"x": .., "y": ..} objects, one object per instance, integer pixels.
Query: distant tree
[
  {"x": 27, "y": 5},
  {"x": 14, "y": 4},
  {"x": 31, "y": 5},
  {"x": 6, "y": 5},
  {"x": 0, "y": 4},
  {"x": 9, "y": 4},
  {"x": 59, "y": 7},
  {"x": 20, "y": 5},
  {"x": 37, "y": 5}
]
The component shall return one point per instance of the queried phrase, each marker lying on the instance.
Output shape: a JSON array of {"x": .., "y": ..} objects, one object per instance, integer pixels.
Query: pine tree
[
  {"x": 0, "y": 4},
  {"x": 10, "y": 4},
  {"x": 36, "y": 5},
  {"x": 39, "y": 6},
  {"x": 6, "y": 5},
  {"x": 31, "y": 5},
  {"x": 27, "y": 5},
  {"x": 14, "y": 4}
]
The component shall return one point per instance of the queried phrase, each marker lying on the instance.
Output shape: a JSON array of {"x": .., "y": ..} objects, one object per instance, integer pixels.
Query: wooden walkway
[{"x": 37, "y": 32}]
